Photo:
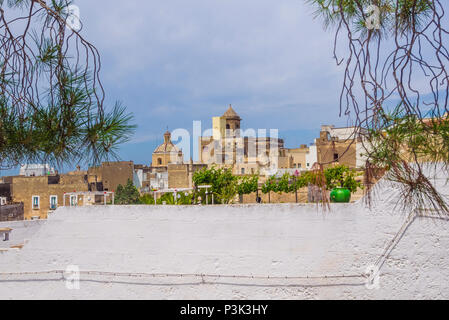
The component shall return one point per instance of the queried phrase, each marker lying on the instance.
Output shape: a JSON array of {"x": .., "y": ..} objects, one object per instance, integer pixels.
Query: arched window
[
  {"x": 159, "y": 161},
  {"x": 228, "y": 126}
]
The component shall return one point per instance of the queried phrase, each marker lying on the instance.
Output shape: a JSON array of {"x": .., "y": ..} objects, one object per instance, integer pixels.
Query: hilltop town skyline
[{"x": 290, "y": 141}]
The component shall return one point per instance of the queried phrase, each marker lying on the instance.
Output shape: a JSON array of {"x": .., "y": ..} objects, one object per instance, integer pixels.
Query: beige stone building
[
  {"x": 180, "y": 175},
  {"x": 44, "y": 194},
  {"x": 109, "y": 175},
  {"x": 166, "y": 153},
  {"x": 167, "y": 171},
  {"x": 338, "y": 146},
  {"x": 298, "y": 157},
  {"x": 230, "y": 146},
  {"x": 243, "y": 151}
]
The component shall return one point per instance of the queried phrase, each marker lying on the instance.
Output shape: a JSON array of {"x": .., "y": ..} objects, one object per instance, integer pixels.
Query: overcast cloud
[{"x": 174, "y": 61}]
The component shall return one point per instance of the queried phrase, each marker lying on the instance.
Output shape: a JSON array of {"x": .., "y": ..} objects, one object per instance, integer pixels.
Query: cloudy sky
[{"x": 175, "y": 61}]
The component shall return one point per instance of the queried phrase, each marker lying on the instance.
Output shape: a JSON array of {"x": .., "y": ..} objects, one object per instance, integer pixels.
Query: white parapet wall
[{"x": 232, "y": 252}]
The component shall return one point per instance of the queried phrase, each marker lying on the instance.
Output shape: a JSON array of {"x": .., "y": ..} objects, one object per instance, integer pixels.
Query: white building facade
[{"x": 36, "y": 170}]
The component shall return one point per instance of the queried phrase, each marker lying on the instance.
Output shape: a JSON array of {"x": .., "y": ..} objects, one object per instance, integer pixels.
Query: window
[
  {"x": 228, "y": 126},
  {"x": 73, "y": 200},
  {"x": 36, "y": 202},
  {"x": 159, "y": 161},
  {"x": 335, "y": 156},
  {"x": 243, "y": 170},
  {"x": 53, "y": 202}
]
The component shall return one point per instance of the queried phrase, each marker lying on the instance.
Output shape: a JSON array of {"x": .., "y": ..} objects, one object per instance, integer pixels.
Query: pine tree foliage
[{"x": 51, "y": 98}]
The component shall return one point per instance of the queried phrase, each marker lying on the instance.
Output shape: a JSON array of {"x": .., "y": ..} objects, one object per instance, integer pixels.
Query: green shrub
[
  {"x": 127, "y": 194},
  {"x": 341, "y": 176},
  {"x": 225, "y": 186}
]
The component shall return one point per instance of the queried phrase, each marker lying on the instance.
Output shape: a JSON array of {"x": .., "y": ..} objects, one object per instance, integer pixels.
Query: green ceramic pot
[{"x": 340, "y": 195}]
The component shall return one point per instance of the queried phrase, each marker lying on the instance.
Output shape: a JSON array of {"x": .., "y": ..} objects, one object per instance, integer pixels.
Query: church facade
[
  {"x": 168, "y": 169},
  {"x": 242, "y": 150}
]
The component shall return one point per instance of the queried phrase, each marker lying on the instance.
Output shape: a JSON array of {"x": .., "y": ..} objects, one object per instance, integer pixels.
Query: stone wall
[
  {"x": 178, "y": 176},
  {"x": 274, "y": 197},
  {"x": 12, "y": 212},
  {"x": 109, "y": 175},
  {"x": 115, "y": 173}
]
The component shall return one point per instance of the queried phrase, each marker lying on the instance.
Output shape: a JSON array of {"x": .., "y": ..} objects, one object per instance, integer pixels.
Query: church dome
[
  {"x": 167, "y": 146},
  {"x": 164, "y": 148}
]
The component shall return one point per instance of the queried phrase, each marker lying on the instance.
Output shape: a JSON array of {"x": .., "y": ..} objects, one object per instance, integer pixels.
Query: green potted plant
[{"x": 341, "y": 181}]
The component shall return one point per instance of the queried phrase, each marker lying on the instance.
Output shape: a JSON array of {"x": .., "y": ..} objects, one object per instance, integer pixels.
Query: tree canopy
[
  {"x": 51, "y": 97},
  {"x": 127, "y": 194}
]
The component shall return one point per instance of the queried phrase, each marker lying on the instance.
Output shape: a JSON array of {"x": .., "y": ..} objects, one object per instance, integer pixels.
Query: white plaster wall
[
  {"x": 362, "y": 149},
  {"x": 35, "y": 169},
  {"x": 254, "y": 240},
  {"x": 311, "y": 156},
  {"x": 138, "y": 178},
  {"x": 360, "y": 155},
  {"x": 343, "y": 133}
]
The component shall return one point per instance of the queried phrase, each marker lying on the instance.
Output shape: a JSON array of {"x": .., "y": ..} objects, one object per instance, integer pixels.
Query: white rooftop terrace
[{"x": 280, "y": 251}]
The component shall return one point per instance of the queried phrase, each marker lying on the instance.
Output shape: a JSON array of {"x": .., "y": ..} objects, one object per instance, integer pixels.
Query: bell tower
[{"x": 232, "y": 120}]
